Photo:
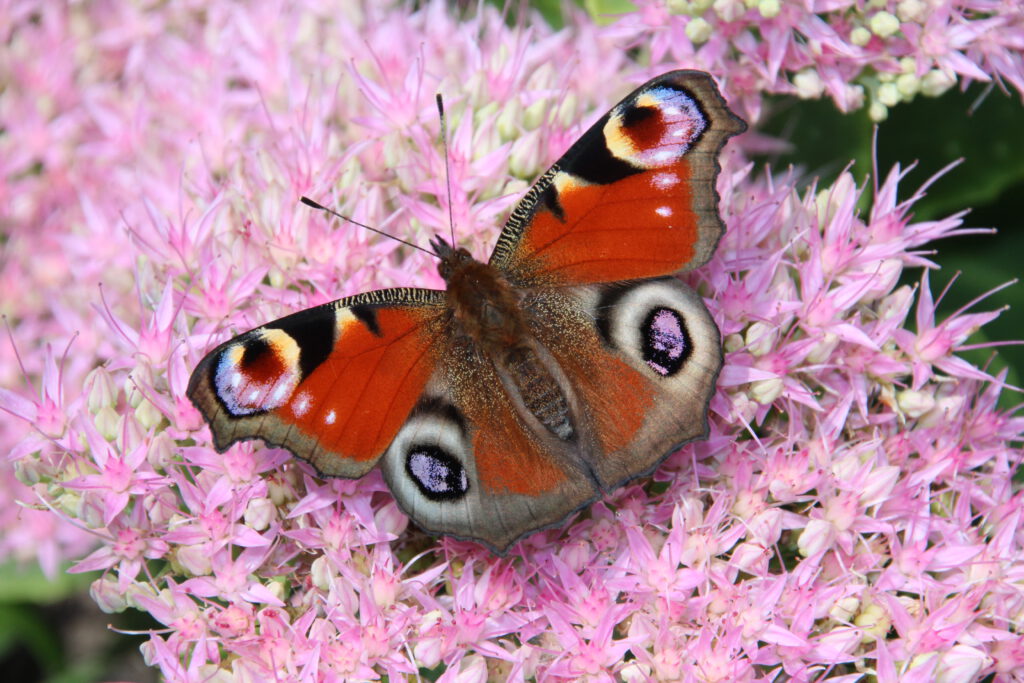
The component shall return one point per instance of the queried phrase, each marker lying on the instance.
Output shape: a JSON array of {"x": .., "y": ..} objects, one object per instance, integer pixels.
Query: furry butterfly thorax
[{"x": 571, "y": 361}]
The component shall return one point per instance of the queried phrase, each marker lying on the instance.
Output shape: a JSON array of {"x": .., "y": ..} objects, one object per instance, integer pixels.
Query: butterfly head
[{"x": 452, "y": 259}]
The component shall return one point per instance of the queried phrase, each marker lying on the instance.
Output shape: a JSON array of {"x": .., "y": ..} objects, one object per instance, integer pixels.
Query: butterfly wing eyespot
[
  {"x": 439, "y": 475},
  {"x": 257, "y": 372},
  {"x": 665, "y": 341},
  {"x": 633, "y": 198}
]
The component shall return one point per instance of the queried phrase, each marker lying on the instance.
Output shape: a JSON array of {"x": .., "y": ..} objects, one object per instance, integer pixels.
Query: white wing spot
[
  {"x": 672, "y": 111},
  {"x": 664, "y": 155},
  {"x": 665, "y": 180},
  {"x": 236, "y": 379},
  {"x": 300, "y": 406},
  {"x": 279, "y": 392},
  {"x": 679, "y": 132},
  {"x": 665, "y": 211},
  {"x": 331, "y": 416}
]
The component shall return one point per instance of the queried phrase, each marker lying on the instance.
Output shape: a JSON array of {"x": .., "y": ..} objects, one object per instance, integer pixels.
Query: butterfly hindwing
[
  {"x": 633, "y": 198},
  {"x": 332, "y": 384},
  {"x": 637, "y": 363},
  {"x": 643, "y": 357}
]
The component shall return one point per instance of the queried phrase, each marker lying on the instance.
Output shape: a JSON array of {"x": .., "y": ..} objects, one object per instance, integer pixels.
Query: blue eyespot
[
  {"x": 438, "y": 475},
  {"x": 666, "y": 342}
]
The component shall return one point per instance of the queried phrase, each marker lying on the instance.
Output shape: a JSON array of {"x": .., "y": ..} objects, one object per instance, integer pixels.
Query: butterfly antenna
[
  {"x": 447, "y": 171},
  {"x": 309, "y": 202}
]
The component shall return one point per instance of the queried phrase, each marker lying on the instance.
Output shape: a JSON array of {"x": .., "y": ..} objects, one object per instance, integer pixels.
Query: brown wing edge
[
  {"x": 704, "y": 159},
  {"x": 504, "y": 551}
]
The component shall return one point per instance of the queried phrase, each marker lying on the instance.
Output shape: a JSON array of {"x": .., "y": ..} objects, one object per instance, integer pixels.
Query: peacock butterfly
[{"x": 568, "y": 364}]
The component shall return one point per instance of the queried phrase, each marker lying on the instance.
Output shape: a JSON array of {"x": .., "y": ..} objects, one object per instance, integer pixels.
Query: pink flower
[
  {"x": 932, "y": 344},
  {"x": 131, "y": 541}
]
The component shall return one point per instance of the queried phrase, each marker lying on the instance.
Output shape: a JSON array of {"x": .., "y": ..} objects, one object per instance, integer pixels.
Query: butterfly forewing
[
  {"x": 332, "y": 384},
  {"x": 633, "y": 198},
  {"x": 382, "y": 374}
]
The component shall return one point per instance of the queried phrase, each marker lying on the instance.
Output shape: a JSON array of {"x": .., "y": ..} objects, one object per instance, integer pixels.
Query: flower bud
[
  {"x": 884, "y": 24},
  {"x": 808, "y": 84},
  {"x": 913, "y": 403},
  {"x": 108, "y": 595},
  {"x": 816, "y": 537},
  {"x": 698, "y": 30},
  {"x": 874, "y": 620},
  {"x": 961, "y": 663},
  {"x": 765, "y": 391},
  {"x": 860, "y": 36},
  {"x": 259, "y": 513}
]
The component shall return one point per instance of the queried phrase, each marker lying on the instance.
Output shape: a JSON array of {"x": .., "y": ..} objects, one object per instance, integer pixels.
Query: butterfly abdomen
[{"x": 540, "y": 392}]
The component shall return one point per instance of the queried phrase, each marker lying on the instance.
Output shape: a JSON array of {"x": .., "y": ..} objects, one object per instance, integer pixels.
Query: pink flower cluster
[
  {"x": 852, "y": 514},
  {"x": 876, "y": 53}
]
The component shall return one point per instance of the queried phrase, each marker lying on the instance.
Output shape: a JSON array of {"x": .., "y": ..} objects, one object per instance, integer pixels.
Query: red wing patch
[
  {"x": 509, "y": 461},
  {"x": 619, "y": 398},
  {"x": 355, "y": 401},
  {"x": 640, "y": 226}
]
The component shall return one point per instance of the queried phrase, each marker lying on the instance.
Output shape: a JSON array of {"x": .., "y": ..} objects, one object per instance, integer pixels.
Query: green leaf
[
  {"x": 607, "y": 11},
  {"x": 551, "y": 10},
  {"x": 29, "y": 584},
  {"x": 984, "y": 128},
  {"x": 433, "y": 674},
  {"x": 822, "y": 140},
  {"x": 23, "y": 626}
]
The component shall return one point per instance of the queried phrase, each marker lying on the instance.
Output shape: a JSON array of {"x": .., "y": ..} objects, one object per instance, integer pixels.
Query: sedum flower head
[
  {"x": 767, "y": 46},
  {"x": 853, "y": 510}
]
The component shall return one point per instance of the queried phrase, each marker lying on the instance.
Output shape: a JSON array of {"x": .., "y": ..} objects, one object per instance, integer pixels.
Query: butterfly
[{"x": 569, "y": 363}]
